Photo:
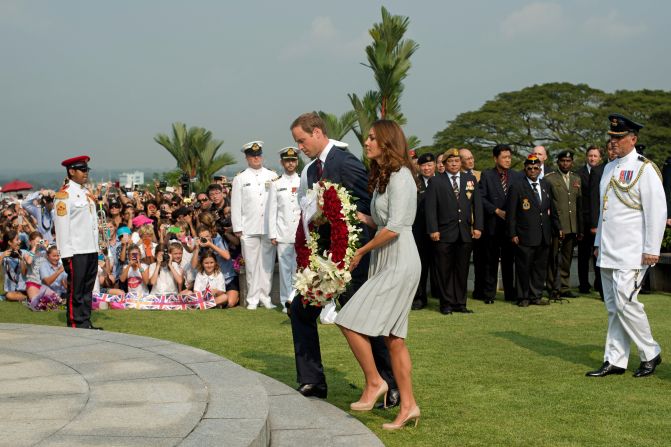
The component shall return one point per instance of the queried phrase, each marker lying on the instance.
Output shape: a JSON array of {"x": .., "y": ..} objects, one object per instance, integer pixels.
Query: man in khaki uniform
[{"x": 567, "y": 198}]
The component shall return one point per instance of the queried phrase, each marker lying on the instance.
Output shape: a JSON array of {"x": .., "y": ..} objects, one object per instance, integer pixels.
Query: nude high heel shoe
[
  {"x": 414, "y": 414},
  {"x": 367, "y": 406}
]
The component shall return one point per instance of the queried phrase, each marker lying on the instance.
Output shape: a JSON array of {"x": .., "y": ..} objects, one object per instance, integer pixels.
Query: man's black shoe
[
  {"x": 489, "y": 301},
  {"x": 464, "y": 310},
  {"x": 313, "y": 389},
  {"x": 523, "y": 303},
  {"x": 584, "y": 290},
  {"x": 539, "y": 302},
  {"x": 605, "y": 370},
  {"x": 446, "y": 311},
  {"x": 393, "y": 399},
  {"x": 647, "y": 368},
  {"x": 568, "y": 294},
  {"x": 96, "y": 328},
  {"x": 418, "y": 305}
]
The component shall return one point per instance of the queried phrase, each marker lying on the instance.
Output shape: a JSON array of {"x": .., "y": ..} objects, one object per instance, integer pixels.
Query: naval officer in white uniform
[
  {"x": 283, "y": 217},
  {"x": 248, "y": 209},
  {"x": 76, "y": 224},
  {"x": 628, "y": 241}
]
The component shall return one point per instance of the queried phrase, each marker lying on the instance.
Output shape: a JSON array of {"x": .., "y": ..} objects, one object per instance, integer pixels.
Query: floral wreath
[{"x": 323, "y": 266}]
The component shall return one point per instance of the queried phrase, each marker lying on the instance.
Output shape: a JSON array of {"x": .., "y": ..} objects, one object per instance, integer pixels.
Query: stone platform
[{"x": 75, "y": 387}]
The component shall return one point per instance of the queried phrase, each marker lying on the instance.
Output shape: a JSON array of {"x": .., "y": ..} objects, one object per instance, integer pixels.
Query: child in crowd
[
  {"x": 36, "y": 257},
  {"x": 136, "y": 273},
  {"x": 14, "y": 266},
  {"x": 210, "y": 278},
  {"x": 165, "y": 275},
  {"x": 223, "y": 257},
  {"x": 52, "y": 274}
]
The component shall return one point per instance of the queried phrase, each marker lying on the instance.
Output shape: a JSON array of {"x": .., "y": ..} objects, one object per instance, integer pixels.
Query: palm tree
[
  {"x": 195, "y": 152},
  {"x": 389, "y": 58},
  {"x": 366, "y": 113},
  {"x": 338, "y": 127}
]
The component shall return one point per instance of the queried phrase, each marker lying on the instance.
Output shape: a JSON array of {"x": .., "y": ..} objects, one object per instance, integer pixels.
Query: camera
[
  {"x": 166, "y": 257},
  {"x": 162, "y": 184},
  {"x": 203, "y": 240},
  {"x": 14, "y": 254}
]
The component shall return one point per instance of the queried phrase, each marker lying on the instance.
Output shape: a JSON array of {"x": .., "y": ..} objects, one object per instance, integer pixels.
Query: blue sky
[{"x": 103, "y": 77}]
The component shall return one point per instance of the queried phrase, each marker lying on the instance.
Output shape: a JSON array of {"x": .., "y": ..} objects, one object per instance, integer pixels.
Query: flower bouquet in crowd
[
  {"x": 46, "y": 299},
  {"x": 238, "y": 263},
  {"x": 323, "y": 261}
]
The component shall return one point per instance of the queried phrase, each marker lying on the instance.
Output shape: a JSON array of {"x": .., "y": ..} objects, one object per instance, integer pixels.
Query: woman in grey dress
[{"x": 382, "y": 304}]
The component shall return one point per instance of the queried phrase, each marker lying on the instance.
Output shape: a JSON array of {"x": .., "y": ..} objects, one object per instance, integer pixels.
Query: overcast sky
[{"x": 103, "y": 77}]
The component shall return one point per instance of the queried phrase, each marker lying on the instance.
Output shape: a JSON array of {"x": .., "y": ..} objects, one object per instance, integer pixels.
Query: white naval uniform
[
  {"x": 283, "y": 216},
  {"x": 631, "y": 223},
  {"x": 248, "y": 207},
  {"x": 76, "y": 221}
]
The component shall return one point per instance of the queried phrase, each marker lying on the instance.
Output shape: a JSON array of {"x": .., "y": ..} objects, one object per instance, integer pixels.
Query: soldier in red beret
[{"x": 76, "y": 225}]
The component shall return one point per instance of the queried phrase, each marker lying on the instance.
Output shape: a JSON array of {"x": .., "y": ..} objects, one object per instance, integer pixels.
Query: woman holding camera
[
  {"x": 136, "y": 273},
  {"x": 14, "y": 266}
]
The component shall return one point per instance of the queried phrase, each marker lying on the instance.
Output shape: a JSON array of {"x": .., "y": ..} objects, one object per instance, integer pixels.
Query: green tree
[
  {"x": 652, "y": 108},
  {"x": 195, "y": 152},
  {"x": 338, "y": 127},
  {"x": 389, "y": 58},
  {"x": 556, "y": 115}
]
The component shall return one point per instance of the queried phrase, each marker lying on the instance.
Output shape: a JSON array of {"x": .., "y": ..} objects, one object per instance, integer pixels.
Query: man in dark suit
[
  {"x": 453, "y": 220},
  {"x": 531, "y": 220},
  {"x": 590, "y": 176},
  {"x": 340, "y": 166},
  {"x": 494, "y": 186},
  {"x": 427, "y": 169}
]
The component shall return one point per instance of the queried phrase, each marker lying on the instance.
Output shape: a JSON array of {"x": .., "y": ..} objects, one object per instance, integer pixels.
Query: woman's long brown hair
[{"x": 392, "y": 142}]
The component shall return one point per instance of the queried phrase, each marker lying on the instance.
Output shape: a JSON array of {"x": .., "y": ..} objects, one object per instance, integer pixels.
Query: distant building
[{"x": 130, "y": 179}]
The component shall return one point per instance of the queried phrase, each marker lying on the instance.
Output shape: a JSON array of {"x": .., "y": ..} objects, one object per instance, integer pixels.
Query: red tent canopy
[{"x": 16, "y": 185}]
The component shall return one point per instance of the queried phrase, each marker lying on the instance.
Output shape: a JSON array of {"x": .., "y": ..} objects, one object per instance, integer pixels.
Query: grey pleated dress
[{"x": 382, "y": 304}]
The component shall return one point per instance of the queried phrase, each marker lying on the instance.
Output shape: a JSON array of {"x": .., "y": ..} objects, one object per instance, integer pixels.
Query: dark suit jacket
[
  {"x": 493, "y": 197},
  {"x": 419, "y": 226},
  {"x": 585, "y": 209},
  {"x": 595, "y": 195},
  {"x": 344, "y": 168},
  {"x": 532, "y": 222},
  {"x": 451, "y": 217}
]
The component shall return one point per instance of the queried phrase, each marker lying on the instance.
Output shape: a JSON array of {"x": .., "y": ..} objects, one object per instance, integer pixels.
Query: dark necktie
[
  {"x": 537, "y": 192},
  {"x": 455, "y": 186},
  {"x": 504, "y": 182},
  {"x": 319, "y": 169}
]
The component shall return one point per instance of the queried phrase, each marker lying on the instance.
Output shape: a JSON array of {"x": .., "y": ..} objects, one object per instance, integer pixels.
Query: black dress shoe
[
  {"x": 489, "y": 301},
  {"x": 418, "y": 305},
  {"x": 96, "y": 328},
  {"x": 647, "y": 368},
  {"x": 523, "y": 303},
  {"x": 446, "y": 311},
  {"x": 393, "y": 399},
  {"x": 605, "y": 370},
  {"x": 539, "y": 302},
  {"x": 568, "y": 294},
  {"x": 464, "y": 310},
  {"x": 313, "y": 390},
  {"x": 584, "y": 290}
]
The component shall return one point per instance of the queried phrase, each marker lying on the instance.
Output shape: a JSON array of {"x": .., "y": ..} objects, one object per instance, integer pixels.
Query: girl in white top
[
  {"x": 210, "y": 277},
  {"x": 165, "y": 278},
  {"x": 136, "y": 273}
]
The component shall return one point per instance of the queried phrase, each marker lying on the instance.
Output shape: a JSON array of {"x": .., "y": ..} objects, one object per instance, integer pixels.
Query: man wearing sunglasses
[
  {"x": 532, "y": 220},
  {"x": 76, "y": 225}
]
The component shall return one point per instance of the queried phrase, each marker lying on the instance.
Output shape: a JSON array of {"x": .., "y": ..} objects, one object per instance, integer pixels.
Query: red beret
[{"x": 82, "y": 159}]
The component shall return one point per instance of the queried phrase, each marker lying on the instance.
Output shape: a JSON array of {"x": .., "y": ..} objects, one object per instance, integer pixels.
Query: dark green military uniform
[{"x": 567, "y": 198}]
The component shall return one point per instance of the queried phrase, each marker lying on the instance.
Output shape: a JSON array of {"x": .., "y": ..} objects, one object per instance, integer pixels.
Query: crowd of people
[{"x": 422, "y": 219}]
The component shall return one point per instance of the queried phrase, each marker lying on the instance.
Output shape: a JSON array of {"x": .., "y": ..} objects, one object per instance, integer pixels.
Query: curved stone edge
[
  {"x": 237, "y": 407},
  {"x": 262, "y": 411}
]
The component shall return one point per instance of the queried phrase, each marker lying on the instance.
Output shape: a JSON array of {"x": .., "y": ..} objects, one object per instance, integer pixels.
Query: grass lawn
[{"x": 501, "y": 376}]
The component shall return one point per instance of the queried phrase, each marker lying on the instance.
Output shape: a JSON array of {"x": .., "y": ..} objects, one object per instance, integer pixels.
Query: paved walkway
[{"x": 68, "y": 387}]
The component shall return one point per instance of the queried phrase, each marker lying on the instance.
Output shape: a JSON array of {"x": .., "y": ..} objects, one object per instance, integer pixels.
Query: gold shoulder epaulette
[{"x": 61, "y": 195}]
